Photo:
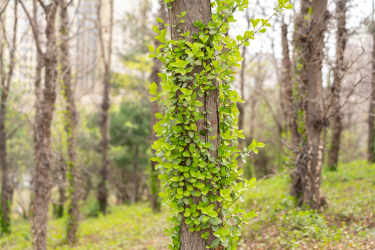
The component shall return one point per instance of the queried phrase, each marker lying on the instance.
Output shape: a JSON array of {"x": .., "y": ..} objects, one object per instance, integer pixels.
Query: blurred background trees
[{"x": 110, "y": 80}]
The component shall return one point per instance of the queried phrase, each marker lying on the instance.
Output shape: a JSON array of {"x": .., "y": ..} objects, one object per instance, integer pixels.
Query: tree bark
[
  {"x": 333, "y": 154},
  {"x": 135, "y": 176},
  {"x": 310, "y": 160},
  {"x": 104, "y": 115},
  {"x": 6, "y": 191},
  {"x": 371, "y": 118},
  {"x": 43, "y": 120},
  {"x": 70, "y": 127},
  {"x": 291, "y": 114},
  {"x": 197, "y": 10}
]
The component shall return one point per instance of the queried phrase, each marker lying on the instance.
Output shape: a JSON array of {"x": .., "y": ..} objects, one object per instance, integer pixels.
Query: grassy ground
[{"x": 348, "y": 222}]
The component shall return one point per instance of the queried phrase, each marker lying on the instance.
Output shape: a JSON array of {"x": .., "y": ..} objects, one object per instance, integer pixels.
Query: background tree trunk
[
  {"x": 70, "y": 127},
  {"x": 104, "y": 116},
  {"x": 309, "y": 162},
  {"x": 371, "y": 118},
  {"x": 135, "y": 176},
  {"x": 154, "y": 181},
  {"x": 241, "y": 106},
  {"x": 333, "y": 154},
  {"x": 291, "y": 115},
  {"x": 197, "y": 10},
  {"x": 60, "y": 178},
  {"x": 6, "y": 79},
  {"x": 43, "y": 120}
]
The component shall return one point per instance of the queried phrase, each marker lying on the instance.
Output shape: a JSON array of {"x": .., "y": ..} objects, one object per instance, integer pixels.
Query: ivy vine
[{"x": 188, "y": 169}]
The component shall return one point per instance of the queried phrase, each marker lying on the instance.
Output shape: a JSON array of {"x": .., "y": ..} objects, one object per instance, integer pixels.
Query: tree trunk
[
  {"x": 371, "y": 118},
  {"x": 291, "y": 115},
  {"x": 333, "y": 154},
  {"x": 241, "y": 106},
  {"x": 43, "y": 120},
  {"x": 135, "y": 176},
  {"x": 70, "y": 127},
  {"x": 309, "y": 162},
  {"x": 6, "y": 189},
  {"x": 197, "y": 10},
  {"x": 58, "y": 209},
  {"x": 104, "y": 116},
  {"x": 154, "y": 181}
]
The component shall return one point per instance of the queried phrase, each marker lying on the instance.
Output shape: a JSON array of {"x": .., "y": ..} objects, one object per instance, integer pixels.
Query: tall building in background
[
  {"x": 26, "y": 52},
  {"x": 88, "y": 65},
  {"x": 85, "y": 45}
]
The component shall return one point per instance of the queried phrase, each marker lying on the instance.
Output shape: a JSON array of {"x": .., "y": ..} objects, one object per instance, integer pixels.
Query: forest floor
[{"x": 348, "y": 222}]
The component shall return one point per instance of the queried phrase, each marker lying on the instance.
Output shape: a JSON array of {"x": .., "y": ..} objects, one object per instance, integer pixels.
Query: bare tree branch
[{"x": 3, "y": 10}]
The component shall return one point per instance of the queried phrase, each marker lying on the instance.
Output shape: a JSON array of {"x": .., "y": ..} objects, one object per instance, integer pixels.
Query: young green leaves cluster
[{"x": 200, "y": 176}]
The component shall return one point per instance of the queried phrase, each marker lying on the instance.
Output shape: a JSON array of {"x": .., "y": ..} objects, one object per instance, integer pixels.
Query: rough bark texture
[
  {"x": 333, "y": 154},
  {"x": 154, "y": 182},
  {"x": 106, "y": 51},
  {"x": 197, "y": 10},
  {"x": 6, "y": 189},
  {"x": 291, "y": 112},
  {"x": 371, "y": 118},
  {"x": 135, "y": 176},
  {"x": 43, "y": 120},
  {"x": 310, "y": 160},
  {"x": 70, "y": 127}
]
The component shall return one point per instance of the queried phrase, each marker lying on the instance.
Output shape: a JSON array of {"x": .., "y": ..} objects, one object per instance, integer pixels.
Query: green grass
[{"x": 348, "y": 222}]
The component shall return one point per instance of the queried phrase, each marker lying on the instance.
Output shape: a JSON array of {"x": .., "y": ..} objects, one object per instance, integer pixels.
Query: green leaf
[
  {"x": 262, "y": 31},
  {"x": 197, "y": 103},
  {"x": 215, "y": 221},
  {"x": 289, "y": 6},
  {"x": 204, "y": 38},
  {"x": 204, "y": 199},
  {"x": 152, "y": 50},
  {"x": 155, "y": 28},
  {"x": 153, "y": 89},
  {"x": 159, "y": 115},
  {"x": 191, "y": 148},
  {"x": 215, "y": 243},
  {"x": 212, "y": 213},
  {"x": 159, "y": 20},
  {"x": 248, "y": 34},
  {"x": 255, "y": 22},
  {"x": 224, "y": 192}
]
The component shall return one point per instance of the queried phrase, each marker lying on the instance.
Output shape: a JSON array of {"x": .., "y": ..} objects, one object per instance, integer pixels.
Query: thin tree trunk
[
  {"x": 288, "y": 88},
  {"x": 104, "y": 116},
  {"x": 70, "y": 127},
  {"x": 154, "y": 181},
  {"x": 241, "y": 106},
  {"x": 333, "y": 154},
  {"x": 43, "y": 118},
  {"x": 61, "y": 172},
  {"x": 135, "y": 176},
  {"x": 371, "y": 118},
  {"x": 197, "y": 10},
  {"x": 6, "y": 200},
  {"x": 309, "y": 162}
]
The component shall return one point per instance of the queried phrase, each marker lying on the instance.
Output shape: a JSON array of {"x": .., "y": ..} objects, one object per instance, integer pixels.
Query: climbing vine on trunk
[{"x": 197, "y": 146}]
